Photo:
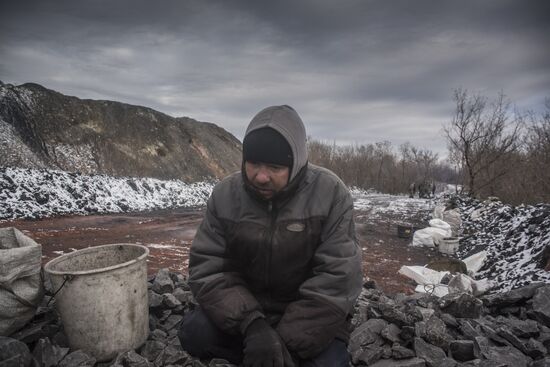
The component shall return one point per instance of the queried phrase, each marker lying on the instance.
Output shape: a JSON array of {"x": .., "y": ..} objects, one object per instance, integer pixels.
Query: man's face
[{"x": 266, "y": 178}]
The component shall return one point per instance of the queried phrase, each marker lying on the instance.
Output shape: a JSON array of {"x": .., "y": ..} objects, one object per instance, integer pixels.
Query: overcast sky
[{"x": 356, "y": 71}]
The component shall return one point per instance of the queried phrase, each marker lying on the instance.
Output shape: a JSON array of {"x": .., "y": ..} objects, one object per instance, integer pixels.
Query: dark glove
[{"x": 264, "y": 348}]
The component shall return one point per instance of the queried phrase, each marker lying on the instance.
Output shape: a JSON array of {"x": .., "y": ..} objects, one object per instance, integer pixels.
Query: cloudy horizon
[{"x": 356, "y": 71}]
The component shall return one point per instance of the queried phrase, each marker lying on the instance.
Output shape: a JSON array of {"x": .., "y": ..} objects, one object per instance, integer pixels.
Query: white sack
[
  {"x": 430, "y": 236},
  {"x": 461, "y": 283},
  {"x": 438, "y": 211},
  {"x": 438, "y": 223},
  {"x": 453, "y": 218},
  {"x": 422, "y": 275},
  {"x": 440, "y": 290},
  {"x": 21, "y": 288},
  {"x": 475, "y": 262},
  {"x": 481, "y": 286}
]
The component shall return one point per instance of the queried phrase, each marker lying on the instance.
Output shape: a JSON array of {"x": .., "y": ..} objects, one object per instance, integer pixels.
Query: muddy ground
[{"x": 168, "y": 235}]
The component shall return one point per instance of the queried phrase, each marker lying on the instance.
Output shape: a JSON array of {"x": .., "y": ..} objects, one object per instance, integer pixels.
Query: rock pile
[
  {"x": 32, "y": 194},
  {"x": 516, "y": 238},
  {"x": 506, "y": 329}
]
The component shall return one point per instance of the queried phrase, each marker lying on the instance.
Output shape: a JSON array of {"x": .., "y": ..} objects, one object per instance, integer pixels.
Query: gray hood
[{"x": 285, "y": 120}]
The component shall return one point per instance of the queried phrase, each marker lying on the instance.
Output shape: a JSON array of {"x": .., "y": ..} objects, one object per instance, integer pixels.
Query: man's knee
[
  {"x": 196, "y": 333},
  {"x": 201, "y": 338},
  {"x": 336, "y": 355}
]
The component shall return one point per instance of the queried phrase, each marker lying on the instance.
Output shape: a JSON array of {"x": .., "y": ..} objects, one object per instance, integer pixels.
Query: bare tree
[
  {"x": 482, "y": 135},
  {"x": 537, "y": 148}
]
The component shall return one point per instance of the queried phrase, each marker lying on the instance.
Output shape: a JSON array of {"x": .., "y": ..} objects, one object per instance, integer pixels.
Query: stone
[
  {"x": 370, "y": 355},
  {"x": 48, "y": 354},
  {"x": 387, "y": 351},
  {"x": 487, "y": 328},
  {"x": 184, "y": 296},
  {"x": 178, "y": 279},
  {"x": 427, "y": 300},
  {"x": 407, "y": 333},
  {"x": 436, "y": 333},
  {"x": 449, "y": 320},
  {"x": 445, "y": 362},
  {"x": 163, "y": 283},
  {"x": 218, "y": 362},
  {"x": 394, "y": 315},
  {"x": 425, "y": 312},
  {"x": 420, "y": 329},
  {"x": 14, "y": 353},
  {"x": 172, "y": 355},
  {"x": 365, "y": 334},
  {"x": 158, "y": 334},
  {"x": 391, "y": 333},
  {"x": 505, "y": 333},
  {"x": 541, "y": 363},
  {"x": 468, "y": 329},
  {"x": 170, "y": 301},
  {"x": 171, "y": 322},
  {"x": 412, "y": 362},
  {"x": 481, "y": 345},
  {"x": 541, "y": 302},
  {"x": 512, "y": 297},
  {"x": 400, "y": 352},
  {"x": 462, "y": 350},
  {"x": 510, "y": 356},
  {"x": 152, "y": 349},
  {"x": 535, "y": 349},
  {"x": 155, "y": 300},
  {"x": 32, "y": 332},
  {"x": 520, "y": 328},
  {"x": 131, "y": 359},
  {"x": 78, "y": 358},
  {"x": 462, "y": 305},
  {"x": 430, "y": 353}
]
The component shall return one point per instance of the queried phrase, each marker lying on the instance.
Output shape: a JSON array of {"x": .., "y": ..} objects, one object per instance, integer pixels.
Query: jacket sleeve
[
  {"x": 310, "y": 323},
  {"x": 220, "y": 291}
]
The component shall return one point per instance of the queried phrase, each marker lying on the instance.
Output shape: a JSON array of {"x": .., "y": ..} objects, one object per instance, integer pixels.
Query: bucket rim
[{"x": 52, "y": 262}]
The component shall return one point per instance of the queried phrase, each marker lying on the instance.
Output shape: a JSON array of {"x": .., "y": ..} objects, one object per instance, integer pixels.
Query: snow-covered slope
[{"x": 27, "y": 193}]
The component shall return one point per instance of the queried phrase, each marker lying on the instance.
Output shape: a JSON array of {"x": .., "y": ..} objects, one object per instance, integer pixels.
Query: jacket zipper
[{"x": 273, "y": 217}]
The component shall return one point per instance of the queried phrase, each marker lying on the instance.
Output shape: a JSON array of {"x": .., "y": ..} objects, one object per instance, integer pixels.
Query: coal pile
[
  {"x": 503, "y": 329},
  {"x": 33, "y": 193},
  {"x": 517, "y": 241}
]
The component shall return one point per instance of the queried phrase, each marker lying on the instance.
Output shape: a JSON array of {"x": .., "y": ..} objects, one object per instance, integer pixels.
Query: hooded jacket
[{"x": 293, "y": 259}]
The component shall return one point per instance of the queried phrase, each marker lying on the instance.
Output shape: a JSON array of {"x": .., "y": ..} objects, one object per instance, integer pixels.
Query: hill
[{"x": 41, "y": 128}]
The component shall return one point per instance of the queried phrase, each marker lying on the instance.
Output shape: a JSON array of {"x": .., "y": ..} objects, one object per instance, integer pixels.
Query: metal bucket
[
  {"x": 102, "y": 298},
  {"x": 449, "y": 245}
]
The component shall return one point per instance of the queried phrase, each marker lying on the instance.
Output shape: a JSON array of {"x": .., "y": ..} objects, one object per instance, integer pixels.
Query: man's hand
[{"x": 264, "y": 348}]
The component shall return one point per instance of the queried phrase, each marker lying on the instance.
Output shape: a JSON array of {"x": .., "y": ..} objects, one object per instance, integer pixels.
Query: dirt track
[{"x": 168, "y": 235}]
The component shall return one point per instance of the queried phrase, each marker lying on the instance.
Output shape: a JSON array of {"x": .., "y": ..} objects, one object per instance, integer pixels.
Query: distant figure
[
  {"x": 412, "y": 190},
  {"x": 433, "y": 189},
  {"x": 275, "y": 265}
]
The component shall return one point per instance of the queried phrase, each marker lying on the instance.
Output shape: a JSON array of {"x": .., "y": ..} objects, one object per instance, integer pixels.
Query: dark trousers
[{"x": 202, "y": 339}]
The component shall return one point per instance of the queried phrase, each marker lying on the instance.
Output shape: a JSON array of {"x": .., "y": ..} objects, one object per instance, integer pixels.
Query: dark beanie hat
[{"x": 267, "y": 145}]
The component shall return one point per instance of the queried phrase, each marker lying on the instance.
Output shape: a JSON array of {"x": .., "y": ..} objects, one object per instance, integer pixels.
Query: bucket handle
[{"x": 66, "y": 278}]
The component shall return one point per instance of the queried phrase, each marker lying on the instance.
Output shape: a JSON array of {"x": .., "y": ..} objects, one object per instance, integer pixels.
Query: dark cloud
[{"x": 357, "y": 71}]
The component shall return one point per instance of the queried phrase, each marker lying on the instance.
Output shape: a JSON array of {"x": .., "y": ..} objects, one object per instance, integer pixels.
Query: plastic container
[
  {"x": 404, "y": 230},
  {"x": 449, "y": 245},
  {"x": 102, "y": 298}
]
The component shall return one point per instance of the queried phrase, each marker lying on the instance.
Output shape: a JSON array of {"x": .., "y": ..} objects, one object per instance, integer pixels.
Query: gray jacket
[{"x": 293, "y": 260}]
